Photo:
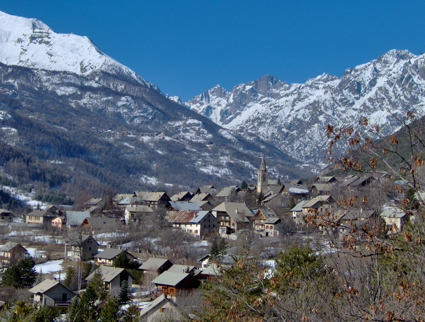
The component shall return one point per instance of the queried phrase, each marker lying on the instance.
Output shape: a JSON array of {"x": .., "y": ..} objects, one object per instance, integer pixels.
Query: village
[{"x": 152, "y": 248}]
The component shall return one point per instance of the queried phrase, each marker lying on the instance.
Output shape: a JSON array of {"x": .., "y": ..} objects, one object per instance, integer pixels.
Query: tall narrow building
[{"x": 263, "y": 177}]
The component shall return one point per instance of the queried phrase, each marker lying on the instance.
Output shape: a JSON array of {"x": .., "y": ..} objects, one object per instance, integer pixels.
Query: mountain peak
[{"x": 28, "y": 42}]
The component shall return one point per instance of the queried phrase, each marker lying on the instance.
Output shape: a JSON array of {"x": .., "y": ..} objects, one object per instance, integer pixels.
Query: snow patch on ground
[
  {"x": 49, "y": 267},
  {"x": 202, "y": 243},
  {"x": 25, "y": 197},
  {"x": 149, "y": 180},
  {"x": 4, "y": 115},
  {"x": 35, "y": 253}
]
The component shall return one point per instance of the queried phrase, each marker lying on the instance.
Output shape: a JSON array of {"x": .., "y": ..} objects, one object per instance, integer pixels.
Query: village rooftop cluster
[{"x": 265, "y": 215}]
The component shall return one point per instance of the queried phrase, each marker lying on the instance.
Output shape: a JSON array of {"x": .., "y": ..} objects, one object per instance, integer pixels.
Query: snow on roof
[
  {"x": 393, "y": 213},
  {"x": 185, "y": 205},
  {"x": 75, "y": 218},
  {"x": 199, "y": 216}
]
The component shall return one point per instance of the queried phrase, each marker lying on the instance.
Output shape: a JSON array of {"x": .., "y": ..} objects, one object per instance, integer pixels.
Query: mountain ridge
[{"x": 293, "y": 117}]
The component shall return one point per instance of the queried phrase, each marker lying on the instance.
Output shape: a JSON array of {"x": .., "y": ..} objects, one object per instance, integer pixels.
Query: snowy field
[{"x": 49, "y": 267}]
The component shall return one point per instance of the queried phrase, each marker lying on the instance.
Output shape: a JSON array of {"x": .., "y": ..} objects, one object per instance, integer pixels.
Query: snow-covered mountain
[
  {"x": 77, "y": 113},
  {"x": 293, "y": 117},
  {"x": 31, "y": 43}
]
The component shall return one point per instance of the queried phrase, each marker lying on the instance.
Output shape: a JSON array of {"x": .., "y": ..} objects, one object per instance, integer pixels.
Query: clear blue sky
[{"x": 187, "y": 47}]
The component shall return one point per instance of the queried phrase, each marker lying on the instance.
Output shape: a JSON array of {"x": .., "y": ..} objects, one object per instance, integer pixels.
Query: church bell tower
[{"x": 263, "y": 177}]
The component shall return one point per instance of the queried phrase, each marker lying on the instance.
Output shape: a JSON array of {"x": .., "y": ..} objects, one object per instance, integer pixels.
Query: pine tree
[
  {"x": 244, "y": 185},
  {"x": 27, "y": 272},
  {"x": 123, "y": 296},
  {"x": 11, "y": 277},
  {"x": 70, "y": 276},
  {"x": 97, "y": 284},
  {"x": 292, "y": 203},
  {"x": 110, "y": 310},
  {"x": 39, "y": 278},
  {"x": 122, "y": 261},
  {"x": 45, "y": 314},
  {"x": 222, "y": 247},
  {"x": 214, "y": 248},
  {"x": 86, "y": 310}
]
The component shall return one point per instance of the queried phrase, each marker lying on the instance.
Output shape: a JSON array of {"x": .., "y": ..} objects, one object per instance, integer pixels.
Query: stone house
[
  {"x": 319, "y": 204},
  {"x": 196, "y": 223},
  {"x": 109, "y": 255},
  {"x": 112, "y": 279},
  {"x": 84, "y": 250},
  {"x": 297, "y": 212},
  {"x": 321, "y": 189},
  {"x": 154, "y": 199},
  {"x": 203, "y": 196},
  {"x": 182, "y": 196},
  {"x": 96, "y": 202},
  {"x": 136, "y": 213},
  {"x": 11, "y": 253},
  {"x": 273, "y": 227},
  {"x": 357, "y": 217},
  {"x": 207, "y": 189},
  {"x": 119, "y": 197},
  {"x": 233, "y": 216},
  {"x": 226, "y": 192},
  {"x": 260, "y": 217},
  {"x": 395, "y": 218},
  {"x": 52, "y": 293}
]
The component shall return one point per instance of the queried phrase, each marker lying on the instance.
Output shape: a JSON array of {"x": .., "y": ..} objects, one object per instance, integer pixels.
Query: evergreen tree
[
  {"x": 214, "y": 248},
  {"x": 27, "y": 272},
  {"x": 20, "y": 275},
  {"x": 70, "y": 276},
  {"x": 39, "y": 278},
  {"x": 292, "y": 203},
  {"x": 122, "y": 261},
  {"x": 260, "y": 198},
  {"x": 244, "y": 185},
  {"x": 132, "y": 314},
  {"x": 218, "y": 248},
  {"x": 11, "y": 277},
  {"x": 97, "y": 284},
  {"x": 222, "y": 246},
  {"x": 110, "y": 310},
  {"x": 123, "y": 296},
  {"x": 84, "y": 310},
  {"x": 45, "y": 314}
]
